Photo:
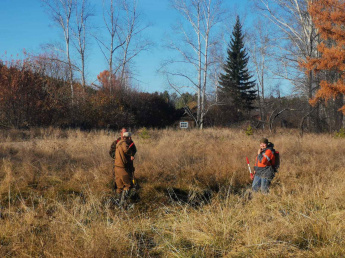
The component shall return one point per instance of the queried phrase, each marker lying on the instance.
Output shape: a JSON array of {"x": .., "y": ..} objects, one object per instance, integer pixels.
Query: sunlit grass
[{"x": 56, "y": 192}]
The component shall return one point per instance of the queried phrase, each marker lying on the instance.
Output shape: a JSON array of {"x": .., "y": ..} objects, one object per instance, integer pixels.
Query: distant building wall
[{"x": 185, "y": 123}]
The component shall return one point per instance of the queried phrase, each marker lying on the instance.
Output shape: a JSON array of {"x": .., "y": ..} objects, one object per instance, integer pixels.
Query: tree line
[
  {"x": 31, "y": 96},
  {"x": 291, "y": 41},
  {"x": 279, "y": 47}
]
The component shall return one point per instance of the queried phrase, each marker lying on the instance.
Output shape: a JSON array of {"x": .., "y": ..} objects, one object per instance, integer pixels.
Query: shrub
[
  {"x": 340, "y": 133},
  {"x": 249, "y": 131},
  {"x": 144, "y": 134}
]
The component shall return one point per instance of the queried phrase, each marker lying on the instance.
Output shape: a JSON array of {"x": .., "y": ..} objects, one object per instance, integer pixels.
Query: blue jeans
[{"x": 261, "y": 182}]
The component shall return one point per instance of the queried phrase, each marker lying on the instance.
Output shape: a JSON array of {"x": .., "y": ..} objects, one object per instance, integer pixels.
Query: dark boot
[
  {"x": 117, "y": 198},
  {"x": 124, "y": 197}
]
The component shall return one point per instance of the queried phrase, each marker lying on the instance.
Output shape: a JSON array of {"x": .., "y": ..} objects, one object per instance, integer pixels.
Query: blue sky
[{"x": 24, "y": 24}]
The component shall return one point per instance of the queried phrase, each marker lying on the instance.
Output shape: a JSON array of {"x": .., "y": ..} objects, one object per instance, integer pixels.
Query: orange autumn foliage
[
  {"x": 329, "y": 18},
  {"x": 108, "y": 82}
]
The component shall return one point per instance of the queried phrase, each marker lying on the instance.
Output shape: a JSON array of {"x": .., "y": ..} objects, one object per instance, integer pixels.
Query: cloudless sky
[{"x": 24, "y": 24}]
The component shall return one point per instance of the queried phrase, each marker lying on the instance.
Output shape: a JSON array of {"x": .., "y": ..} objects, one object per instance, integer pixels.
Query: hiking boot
[
  {"x": 124, "y": 197},
  {"x": 117, "y": 198}
]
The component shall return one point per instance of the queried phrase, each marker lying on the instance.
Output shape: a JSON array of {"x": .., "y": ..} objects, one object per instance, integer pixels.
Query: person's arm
[
  {"x": 133, "y": 149},
  {"x": 266, "y": 157},
  {"x": 112, "y": 150}
]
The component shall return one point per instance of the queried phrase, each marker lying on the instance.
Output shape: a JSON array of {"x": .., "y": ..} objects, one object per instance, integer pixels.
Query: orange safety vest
[{"x": 264, "y": 159}]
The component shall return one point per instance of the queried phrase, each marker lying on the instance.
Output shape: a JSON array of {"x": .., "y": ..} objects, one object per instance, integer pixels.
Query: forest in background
[{"x": 303, "y": 47}]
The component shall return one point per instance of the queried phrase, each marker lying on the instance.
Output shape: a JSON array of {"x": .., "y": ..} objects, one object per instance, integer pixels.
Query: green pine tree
[{"x": 235, "y": 83}]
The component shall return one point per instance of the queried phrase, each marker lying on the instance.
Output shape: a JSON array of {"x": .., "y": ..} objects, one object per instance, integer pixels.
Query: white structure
[{"x": 183, "y": 125}]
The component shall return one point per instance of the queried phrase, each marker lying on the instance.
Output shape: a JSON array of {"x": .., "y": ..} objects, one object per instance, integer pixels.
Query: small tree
[
  {"x": 192, "y": 66},
  {"x": 80, "y": 32},
  {"x": 61, "y": 14},
  {"x": 235, "y": 83},
  {"x": 125, "y": 38}
]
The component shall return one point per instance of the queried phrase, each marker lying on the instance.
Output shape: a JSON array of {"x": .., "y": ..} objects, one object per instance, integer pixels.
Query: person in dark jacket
[{"x": 263, "y": 168}]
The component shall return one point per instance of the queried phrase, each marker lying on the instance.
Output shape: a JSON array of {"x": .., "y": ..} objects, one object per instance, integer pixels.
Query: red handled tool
[{"x": 250, "y": 171}]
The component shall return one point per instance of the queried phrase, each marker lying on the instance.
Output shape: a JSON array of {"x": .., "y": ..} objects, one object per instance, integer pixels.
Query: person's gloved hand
[{"x": 252, "y": 176}]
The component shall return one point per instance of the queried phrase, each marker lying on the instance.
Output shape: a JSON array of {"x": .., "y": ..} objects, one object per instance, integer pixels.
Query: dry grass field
[{"x": 56, "y": 191}]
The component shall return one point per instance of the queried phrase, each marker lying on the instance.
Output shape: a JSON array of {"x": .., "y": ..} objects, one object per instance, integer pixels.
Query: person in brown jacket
[
  {"x": 113, "y": 145},
  {"x": 113, "y": 149},
  {"x": 124, "y": 168}
]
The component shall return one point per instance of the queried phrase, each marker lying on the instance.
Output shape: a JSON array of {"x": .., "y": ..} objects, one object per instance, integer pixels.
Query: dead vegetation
[{"x": 56, "y": 191}]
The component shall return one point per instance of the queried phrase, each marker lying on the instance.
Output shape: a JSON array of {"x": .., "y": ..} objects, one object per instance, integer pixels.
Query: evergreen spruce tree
[{"x": 235, "y": 83}]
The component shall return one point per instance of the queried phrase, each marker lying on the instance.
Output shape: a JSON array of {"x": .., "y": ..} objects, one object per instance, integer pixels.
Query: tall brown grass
[{"x": 56, "y": 190}]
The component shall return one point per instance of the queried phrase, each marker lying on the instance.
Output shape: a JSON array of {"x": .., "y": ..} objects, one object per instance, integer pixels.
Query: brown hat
[{"x": 264, "y": 140}]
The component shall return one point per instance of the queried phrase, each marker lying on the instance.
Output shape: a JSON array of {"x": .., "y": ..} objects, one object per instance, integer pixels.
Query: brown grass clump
[{"x": 56, "y": 190}]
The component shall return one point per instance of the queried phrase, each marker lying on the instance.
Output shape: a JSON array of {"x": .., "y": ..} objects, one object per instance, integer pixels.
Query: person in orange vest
[{"x": 263, "y": 167}]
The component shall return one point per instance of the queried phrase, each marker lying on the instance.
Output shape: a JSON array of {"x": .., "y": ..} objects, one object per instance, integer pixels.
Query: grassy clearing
[{"x": 56, "y": 188}]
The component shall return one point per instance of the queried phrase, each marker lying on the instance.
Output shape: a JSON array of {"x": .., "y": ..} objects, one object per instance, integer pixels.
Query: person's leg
[
  {"x": 119, "y": 173},
  {"x": 256, "y": 183},
  {"x": 123, "y": 183},
  {"x": 115, "y": 187},
  {"x": 127, "y": 181},
  {"x": 265, "y": 183}
]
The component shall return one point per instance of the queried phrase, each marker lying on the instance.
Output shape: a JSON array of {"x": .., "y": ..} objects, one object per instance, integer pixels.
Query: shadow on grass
[{"x": 192, "y": 198}]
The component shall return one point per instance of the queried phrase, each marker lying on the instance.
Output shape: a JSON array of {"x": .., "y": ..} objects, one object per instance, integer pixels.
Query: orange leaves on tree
[
  {"x": 328, "y": 90},
  {"x": 329, "y": 18},
  {"x": 103, "y": 77},
  {"x": 107, "y": 81}
]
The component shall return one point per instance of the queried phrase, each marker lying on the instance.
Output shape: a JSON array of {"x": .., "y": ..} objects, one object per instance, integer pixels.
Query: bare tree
[
  {"x": 132, "y": 32},
  {"x": 61, "y": 13},
  {"x": 49, "y": 64},
  {"x": 125, "y": 40},
  {"x": 200, "y": 19},
  {"x": 111, "y": 20},
  {"x": 80, "y": 32},
  {"x": 260, "y": 45},
  {"x": 298, "y": 40}
]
